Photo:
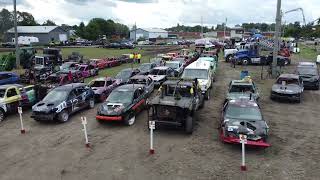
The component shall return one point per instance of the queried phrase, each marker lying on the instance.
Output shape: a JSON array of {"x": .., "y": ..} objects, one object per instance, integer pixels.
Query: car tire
[
  {"x": 91, "y": 103},
  {"x": 63, "y": 116},
  {"x": 189, "y": 125},
  {"x": 130, "y": 120},
  {"x": 299, "y": 100},
  {"x": 228, "y": 58},
  {"x": 2, "y": 115},
  {"x": 245, "y": 61}
]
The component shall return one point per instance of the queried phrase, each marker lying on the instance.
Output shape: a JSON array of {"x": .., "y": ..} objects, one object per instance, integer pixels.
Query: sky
[{"x": 165, "y": 13}]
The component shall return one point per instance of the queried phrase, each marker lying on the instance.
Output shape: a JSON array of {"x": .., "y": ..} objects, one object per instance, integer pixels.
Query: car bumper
[
  {"x": 284, "y": 96},
  {"x": 310, "y": 85},
  {"x": 43, "y": 116},
  {"x": 108, "y": 118},
  {"x": 233, "y": 140}
]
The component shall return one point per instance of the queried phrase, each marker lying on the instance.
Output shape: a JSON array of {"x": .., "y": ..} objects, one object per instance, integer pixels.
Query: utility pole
[
  {"x": 276, "y": 40},
  {"x": 201, "y": 26},
  {"x": 16, "y": 34},
  {"x": 135, "y": 32},
  {"x": 224, "y": 30}
]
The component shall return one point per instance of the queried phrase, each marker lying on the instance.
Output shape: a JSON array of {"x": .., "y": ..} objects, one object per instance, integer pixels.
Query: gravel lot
[{"x": 56, "y": 151}]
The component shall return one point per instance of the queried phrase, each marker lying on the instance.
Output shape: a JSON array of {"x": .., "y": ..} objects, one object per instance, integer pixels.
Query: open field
[
  {"x": 308, "y": 52},
  {"x": 56, "y": 151}
]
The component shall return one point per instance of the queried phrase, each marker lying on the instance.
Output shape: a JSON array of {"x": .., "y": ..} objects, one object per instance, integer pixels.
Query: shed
[
  {"x": 148, "y": 33},
  {"x": 45, "y": 34}
]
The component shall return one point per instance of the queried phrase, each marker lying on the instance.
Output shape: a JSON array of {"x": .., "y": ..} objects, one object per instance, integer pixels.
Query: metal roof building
[
  {"x": 45, "y": 34},
  {"x": 148, "y": 33}
]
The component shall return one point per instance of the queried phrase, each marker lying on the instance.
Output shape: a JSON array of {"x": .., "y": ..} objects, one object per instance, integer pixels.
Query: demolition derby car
[
  {"x": 123, "y": 104},
  {"x": 176, "y": 104},
  {"x": 243, "y": 116},
  {"x": 62, "y": 102},
  {"x": 245, "y": 88},
  {"x": 103, "y": 86},
  {"x": 309, "y": 75},
  {"x": 160, "y": 74},
  {"x": 146, "y": 81},
  {"x": 287, "y": 87}
]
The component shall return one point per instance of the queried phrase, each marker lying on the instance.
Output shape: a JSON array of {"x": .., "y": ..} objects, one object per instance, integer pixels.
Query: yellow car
[{"x": 11, "y": 97}]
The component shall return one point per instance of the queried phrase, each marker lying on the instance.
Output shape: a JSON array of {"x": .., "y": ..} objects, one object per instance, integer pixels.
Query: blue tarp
[{"x": 257, "y": 36}]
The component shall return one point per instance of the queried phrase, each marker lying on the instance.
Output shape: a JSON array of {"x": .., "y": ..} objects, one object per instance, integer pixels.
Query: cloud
[{"x": 139, "y": 1}]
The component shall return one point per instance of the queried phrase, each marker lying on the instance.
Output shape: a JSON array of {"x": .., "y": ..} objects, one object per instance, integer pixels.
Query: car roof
[
  {"x": 293, "y": 76},
  {"x": 243, "y": 102},
  {"x": 69, "y": 87},
  {"x": 162, "y": 67},
  {"x": 242, "y": 82},
  {"x": 102, "y": 79},
  {"x": 139, "y": 77},
  {"x": 129, "y": 87},
  {"x": 6, "y": 86},
  {"x": 307, "y": 64},
  {"x": 199, "y": 65},
  {"x": 173, "y": 62}
]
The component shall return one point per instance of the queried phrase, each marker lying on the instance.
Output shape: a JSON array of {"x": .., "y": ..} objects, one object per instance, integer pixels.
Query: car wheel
[
  {"x": 286, "y": 62},
  {"x": 1, "y": 115},
  {"x": 245, "y": 61},
  {"x": 189, "y": 125},
  {"x": 91, "y": 103},
  {"x": 228, "y": 58},
  {"x": 130, "y": 120},
  {"x": 208, "y": 94},
  {"x": 299, "y": 99},
  {"x": 63, "y": 116}
]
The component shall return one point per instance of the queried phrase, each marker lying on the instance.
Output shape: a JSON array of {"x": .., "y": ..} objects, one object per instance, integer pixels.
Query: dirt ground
[{"x": 53, "y": 151}]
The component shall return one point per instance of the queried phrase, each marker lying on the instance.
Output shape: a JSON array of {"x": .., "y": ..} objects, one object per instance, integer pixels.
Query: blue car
[{"x": 8, "y": 78}]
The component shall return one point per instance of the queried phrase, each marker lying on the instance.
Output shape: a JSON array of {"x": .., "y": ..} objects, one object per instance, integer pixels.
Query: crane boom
[{"x": 297, "y": 9}]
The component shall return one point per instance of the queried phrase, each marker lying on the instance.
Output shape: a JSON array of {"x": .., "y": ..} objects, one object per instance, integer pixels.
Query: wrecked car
[
  {"x": 63, "y": 101},
  {"x": 309, "y": 76},
  {"x": 145, "y": 68},
  {"x": 176, "y": 104},
  {"x": 102, "y": 87},
  {"x": 245, "y": 88},
  {"x": 243, "y": 116},
  {"x": 177, "y": 66},
  {"x": 144, "y": 80},
  {"x": 287, "y": 87},
  {"x": 160, "y": 74},
  {"x": 123, "y": 104},
  {"x": 125, "y": 74}
]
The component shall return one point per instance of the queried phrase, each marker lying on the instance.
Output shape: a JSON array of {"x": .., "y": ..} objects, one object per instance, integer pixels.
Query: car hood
[
  {"x": 113, "y": 109},
  {"x": 254, "y": 130},
  {"x": 47, "y": 106},
  {"x": 157, "y": 77},
  {"x": 286, "y": 89}
]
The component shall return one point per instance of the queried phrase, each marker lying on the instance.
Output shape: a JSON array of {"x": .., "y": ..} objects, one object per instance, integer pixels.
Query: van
[{"x": 200, "y": 70}]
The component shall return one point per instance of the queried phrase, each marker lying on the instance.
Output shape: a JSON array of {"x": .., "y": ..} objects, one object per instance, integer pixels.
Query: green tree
[
  {"x": 6, "y": 21},
  {"x": 49, "y": 23},
  {"x": 25, "y": 19}
]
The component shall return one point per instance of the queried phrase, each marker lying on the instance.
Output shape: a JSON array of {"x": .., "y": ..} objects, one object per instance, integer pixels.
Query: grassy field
[{"x": 308, "y": 52}]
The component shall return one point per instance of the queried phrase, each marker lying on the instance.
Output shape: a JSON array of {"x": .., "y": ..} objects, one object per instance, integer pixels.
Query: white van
[{"x": 202, "y": 71}]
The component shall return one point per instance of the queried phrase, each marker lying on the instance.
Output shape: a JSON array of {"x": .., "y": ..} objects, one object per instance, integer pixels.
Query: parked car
[
  {"x": 11, "y": 97},
  {"x": 8, "y": 78},
  {"x": 112, "y": 62},
  {"x": 126, "y": 45},
  {"x": 240, "y": 89},
  {"x": 102, "y": 87},
  {"x": 144, "y": 80},
  {"x": 213, "y": 64},
  {"x": 88, "y": 70},
  {"x": 63, "y": 101},
  {"x": 145, "y": 68},
  {"x": 176, "y": 104},
  {"x": 160, "y": 74},
  {"x": 243, "y": 116},
  {"x": 123, "y": 104},
  {"x": 125, "y": 74},
  {"x": 202, "y": 72},
  {"x": 288, "y": 87},
  {"x": 100, "y": 63},
  {"x": 177, "y": 66},
  {"x": 68, "y": 66},
  {"x": 30, "y": 92},
  {"x": 309, "y": 76}
]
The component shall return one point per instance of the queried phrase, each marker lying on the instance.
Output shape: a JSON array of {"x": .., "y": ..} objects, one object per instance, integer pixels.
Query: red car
[
  {"x": 112, "y": 62},
  {"x": 100, "y": 63}
]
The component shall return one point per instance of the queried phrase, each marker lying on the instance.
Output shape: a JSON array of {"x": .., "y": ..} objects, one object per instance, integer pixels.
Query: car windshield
[
  {"x": 145, "y": 67},
  {"x": 56, "y": 95},
  {"x": 2, "y": 92},
  {"x": 120, "y": 97},
  {"x": 97, "y": 84},
  {"x": 241, "y": 88},
  {"x": 182, "y": 91},
  {"x": 288, "y": 81},
  {"x": 82, "y": 68},
  {"x": 195, "y": 73},
  {"x": 307, "y": 71},
  {"x": 246, "y": 113},
  {"x": 137, "y": 81},
  {"x": 123, "y": 75},
  {"x": 172, "y": 65},
  {"x": 158, "y": 72}
]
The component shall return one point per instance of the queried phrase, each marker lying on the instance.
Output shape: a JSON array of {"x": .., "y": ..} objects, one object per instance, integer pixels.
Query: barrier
[
  {"x": 84, "y": 123},
  {"x": 152, "y": 126},
  {"x": 22, "y": 130}
]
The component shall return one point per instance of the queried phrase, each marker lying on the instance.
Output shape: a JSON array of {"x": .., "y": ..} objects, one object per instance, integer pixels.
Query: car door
[
  {"x": 150, "y": 85},
  {"x": 12, "y": 98},
  {"x": 73, "y": 101},
  {"x": 81, "y": 96},
  {"x": 138, "y": 100}
]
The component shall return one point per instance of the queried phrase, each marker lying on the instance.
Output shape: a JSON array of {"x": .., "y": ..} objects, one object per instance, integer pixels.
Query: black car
[
  {"x": 125, "y": 74},
  {"x": 126, "y": 45},
  {"x": 145, "y": 68},
  {"x": 309, "y": 76},
  {"x": 243, "y": 116},
  {"x": 62, "y": 101},
  {"x": 123, "y": 104},
  {"x": 288, "y": 87}
]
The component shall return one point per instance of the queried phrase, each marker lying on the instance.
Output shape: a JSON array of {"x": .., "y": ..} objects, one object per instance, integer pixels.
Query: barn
[
  {"x": 148, "y": 33},
  {"x": 45, "y": 34}
]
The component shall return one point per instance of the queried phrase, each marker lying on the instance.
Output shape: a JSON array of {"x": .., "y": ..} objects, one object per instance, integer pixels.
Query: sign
[
  {"x": 152, "y": 125},
  {"x": 243, "y": 138},
  {"x": 84, "y": 120},
  {"x": 20, "y": 110}
]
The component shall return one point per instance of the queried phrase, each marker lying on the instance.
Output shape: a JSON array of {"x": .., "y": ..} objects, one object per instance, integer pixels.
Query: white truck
[{"x": 26, "y": 40}]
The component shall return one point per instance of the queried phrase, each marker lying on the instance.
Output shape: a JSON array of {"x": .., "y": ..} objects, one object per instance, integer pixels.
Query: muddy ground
[{"x": 56, "y": 151}]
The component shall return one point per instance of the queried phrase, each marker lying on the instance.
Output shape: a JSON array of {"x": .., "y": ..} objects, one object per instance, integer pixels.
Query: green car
[
  {"x": 30, "y": 93},
  {"x": 242, "y": 89}
]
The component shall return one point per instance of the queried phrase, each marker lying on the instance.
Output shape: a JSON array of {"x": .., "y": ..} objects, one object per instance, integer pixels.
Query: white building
[{"x": 148, "y": 33}]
